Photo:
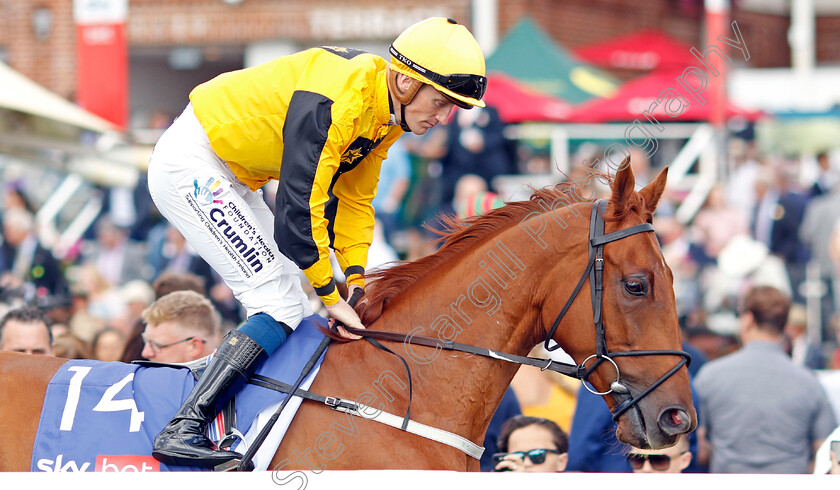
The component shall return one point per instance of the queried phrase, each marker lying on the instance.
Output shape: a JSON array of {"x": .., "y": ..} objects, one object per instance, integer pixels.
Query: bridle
[{"x": 595, "y": 272}]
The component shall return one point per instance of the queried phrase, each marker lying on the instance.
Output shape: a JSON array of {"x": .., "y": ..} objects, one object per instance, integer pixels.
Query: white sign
[
  {"x": 100, "y": 11},
  {"x": 367, "y": 23}
]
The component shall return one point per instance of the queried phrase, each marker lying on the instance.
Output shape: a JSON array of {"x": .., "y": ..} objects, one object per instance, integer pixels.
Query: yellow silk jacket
[{"x": 317, "y": 121}]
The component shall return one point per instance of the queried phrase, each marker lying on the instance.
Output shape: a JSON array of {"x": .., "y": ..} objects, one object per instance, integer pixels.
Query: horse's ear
[
  {"x": 653, "y": 191},
  {"x": 623, "y": 185}
]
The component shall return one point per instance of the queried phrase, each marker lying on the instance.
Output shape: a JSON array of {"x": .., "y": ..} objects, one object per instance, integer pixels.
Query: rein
[{"x": 595, "y": 272}]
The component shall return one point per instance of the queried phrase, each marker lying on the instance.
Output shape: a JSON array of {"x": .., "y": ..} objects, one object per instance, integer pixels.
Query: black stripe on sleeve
[
  {"x": 354, "y": 269},
  {"x": 305, "y": 131},
  {"x": 326, "y": 288}
]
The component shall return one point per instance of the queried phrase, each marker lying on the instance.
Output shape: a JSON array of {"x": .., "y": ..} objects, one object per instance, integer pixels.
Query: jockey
[{"x": 329, "y": 116}]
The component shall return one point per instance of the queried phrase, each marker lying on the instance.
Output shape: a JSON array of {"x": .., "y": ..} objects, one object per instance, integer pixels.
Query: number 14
[{"x": 106, "y": 403}]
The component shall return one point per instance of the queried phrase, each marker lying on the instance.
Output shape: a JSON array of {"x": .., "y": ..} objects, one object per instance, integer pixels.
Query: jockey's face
[{"x": 427, "y": 109}]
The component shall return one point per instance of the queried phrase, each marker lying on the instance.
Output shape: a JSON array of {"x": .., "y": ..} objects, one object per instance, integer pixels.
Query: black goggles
[
  {"x": 537, "y": 456},
  {"x": 465, "y": 84},
  {"x": 659, "y": 462}
]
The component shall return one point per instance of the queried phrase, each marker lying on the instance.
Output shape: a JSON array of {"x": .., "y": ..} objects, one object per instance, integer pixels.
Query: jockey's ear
[{"x": 652, "y": 192}]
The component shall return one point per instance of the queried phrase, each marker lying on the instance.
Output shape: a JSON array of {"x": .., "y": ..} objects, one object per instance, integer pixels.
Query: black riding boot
[{"x": 183, "y": 440}]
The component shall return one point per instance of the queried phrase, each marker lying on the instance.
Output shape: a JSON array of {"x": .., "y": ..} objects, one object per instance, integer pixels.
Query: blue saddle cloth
[{"x": 103, "y": 416}]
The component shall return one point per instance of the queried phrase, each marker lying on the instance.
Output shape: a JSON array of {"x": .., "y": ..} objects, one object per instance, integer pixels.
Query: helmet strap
[
  {"x": 403, "y": 124},
  {"x": 404, "y": 97}
]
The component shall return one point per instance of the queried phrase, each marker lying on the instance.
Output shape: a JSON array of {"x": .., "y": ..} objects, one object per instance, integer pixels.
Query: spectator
[
  {"x": 68, "y": 346},
  {"x": 108, "y": 345},
  {"x": 475, "y": 145},
  {"x": 742, "y": 263},
  {"x": 760, "y": 412},
  {"x": 25, "y": 330},
  {"x": 472, "y": 197},
  {"x": 740, "y": 188},
  {"x": 802, "y": 351},
  {"x": 716, "y": 224},
  {"x": 30, "y": 266},
  {"x": 136, "y": 295},
  {"x": 394, "y": 180},
  {"x": 827, "y": 177},
  {"x": 827, "y": 458},
  {"x": 834, "y": 357},
  {"x": 508, "y": 408},
  {"x": 117, "y": 259},
  {"x": 180, "y": 327},
  {"x": 97, "y": 303},
  {"x": 532, "y": 445},
  {"x": 674, "y": 459},
  {"x": 776, "y": 218},
  {"x": 170, "y": 251},
  {"x": 545, "y": 394},
  {"x": 171, "y": 281},
  {"x": 424, "y": 196},
  {"x": 167, "y": 282},
  {"x": 817, "y": 232},
  {"x": 14, "y": 196}
]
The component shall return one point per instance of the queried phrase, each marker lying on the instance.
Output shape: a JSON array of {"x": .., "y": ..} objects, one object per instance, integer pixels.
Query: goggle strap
[{"x": 437, "y": 77}]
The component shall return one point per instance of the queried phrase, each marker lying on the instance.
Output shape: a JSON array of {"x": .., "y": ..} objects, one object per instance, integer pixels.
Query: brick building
[{"x": 175, "y": 44}]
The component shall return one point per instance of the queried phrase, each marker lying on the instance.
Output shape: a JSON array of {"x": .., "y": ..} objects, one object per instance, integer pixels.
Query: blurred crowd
[{"x": 771, "y": 222}]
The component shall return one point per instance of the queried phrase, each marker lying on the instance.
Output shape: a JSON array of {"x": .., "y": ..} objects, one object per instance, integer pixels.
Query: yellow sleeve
[{"x": 354, "y": 219}]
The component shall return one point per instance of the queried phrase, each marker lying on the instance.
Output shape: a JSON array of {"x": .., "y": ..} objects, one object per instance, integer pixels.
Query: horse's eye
[{"x": 636, "y": 288}]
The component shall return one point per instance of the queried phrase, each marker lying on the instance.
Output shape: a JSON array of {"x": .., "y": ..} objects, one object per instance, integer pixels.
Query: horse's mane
[{"x": 459, "y": 236}]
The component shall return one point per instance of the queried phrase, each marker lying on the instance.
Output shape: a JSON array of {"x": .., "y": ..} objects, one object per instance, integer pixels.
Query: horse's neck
[{"x": 487, "y": 297}]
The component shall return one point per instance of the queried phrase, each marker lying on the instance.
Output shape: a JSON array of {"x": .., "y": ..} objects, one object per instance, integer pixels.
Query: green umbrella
[{"x": 528, "y": 54}]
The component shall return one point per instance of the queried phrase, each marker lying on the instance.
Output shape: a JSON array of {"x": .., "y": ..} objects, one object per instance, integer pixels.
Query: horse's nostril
[
  {"x": 675, "y": 417},
  {"x": 674, "y": 421}
]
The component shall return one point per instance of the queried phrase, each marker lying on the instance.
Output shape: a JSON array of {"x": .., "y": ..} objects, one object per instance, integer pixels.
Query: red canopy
[
  {"x": 643, "y": 50},
  {"x": 639, "y": 95},
  {"x": 517, "y": 103}
]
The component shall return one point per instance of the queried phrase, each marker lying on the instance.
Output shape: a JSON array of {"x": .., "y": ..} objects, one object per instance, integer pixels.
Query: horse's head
[{"x": 652, "y": 395}]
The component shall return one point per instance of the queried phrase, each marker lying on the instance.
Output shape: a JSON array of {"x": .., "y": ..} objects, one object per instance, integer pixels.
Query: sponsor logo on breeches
[{"x": 237, "y": 236}]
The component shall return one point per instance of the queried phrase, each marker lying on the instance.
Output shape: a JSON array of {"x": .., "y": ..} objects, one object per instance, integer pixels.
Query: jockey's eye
[{"x": 635, "y": 287}]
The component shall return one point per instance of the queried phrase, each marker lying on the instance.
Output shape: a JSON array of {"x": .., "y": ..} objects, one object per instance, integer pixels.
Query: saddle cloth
[{"x": 100, "y": 416}]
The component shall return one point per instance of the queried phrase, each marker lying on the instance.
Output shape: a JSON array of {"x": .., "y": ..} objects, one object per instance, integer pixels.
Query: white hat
[
  {"x": 137, "y": 291},
  {"x": 742, "y": 256}
]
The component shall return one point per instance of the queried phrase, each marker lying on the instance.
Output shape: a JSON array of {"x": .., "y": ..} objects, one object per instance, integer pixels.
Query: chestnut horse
[{"x": 499, "y": 282}]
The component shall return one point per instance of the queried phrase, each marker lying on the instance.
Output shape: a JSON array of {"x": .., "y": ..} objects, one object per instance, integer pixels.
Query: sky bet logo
[
  {"x": 105, "y": 464},
  {"x": 207, "y": 193}
]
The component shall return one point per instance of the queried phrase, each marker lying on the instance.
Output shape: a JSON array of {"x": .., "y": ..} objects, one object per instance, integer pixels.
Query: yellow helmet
[{"x": 445, "y": 55}]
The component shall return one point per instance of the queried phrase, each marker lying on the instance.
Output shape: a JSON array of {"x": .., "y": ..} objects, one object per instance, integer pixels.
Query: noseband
[{"x": 595, "y": 271}]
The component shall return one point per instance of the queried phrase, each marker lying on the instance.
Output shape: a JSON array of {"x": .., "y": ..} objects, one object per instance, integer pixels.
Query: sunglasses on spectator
[
  {"x": 537, "y": 456},
  {"x": 156, "y": 348},
  {"x": 659, "y": 462}
]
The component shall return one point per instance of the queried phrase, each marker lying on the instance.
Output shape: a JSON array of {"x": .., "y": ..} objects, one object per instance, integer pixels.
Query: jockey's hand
[{"x": 345, "y": 314}]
